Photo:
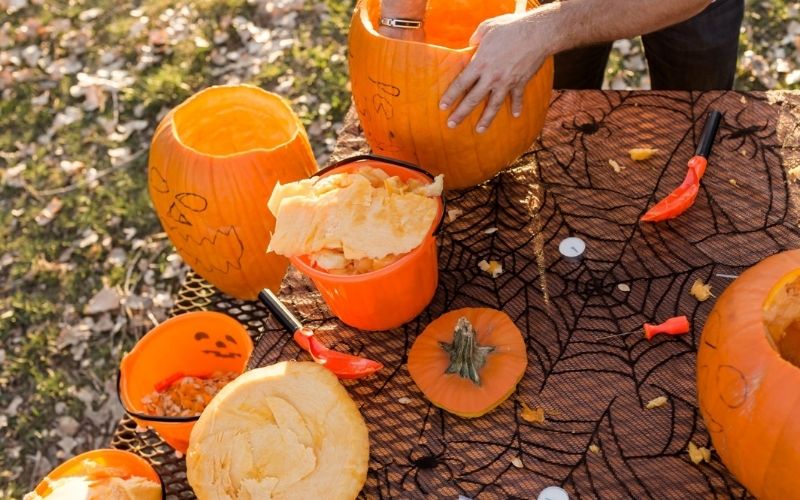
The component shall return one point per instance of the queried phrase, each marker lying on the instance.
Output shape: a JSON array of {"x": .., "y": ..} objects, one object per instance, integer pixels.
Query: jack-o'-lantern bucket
[
  {"x": 397, "y": 85},
  {"x": 199, "y": 344},
  {"x": 214, "y": 161}
]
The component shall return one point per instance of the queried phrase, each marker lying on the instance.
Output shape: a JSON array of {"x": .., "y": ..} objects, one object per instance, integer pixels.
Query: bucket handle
[{"x": 393, "y": 161}]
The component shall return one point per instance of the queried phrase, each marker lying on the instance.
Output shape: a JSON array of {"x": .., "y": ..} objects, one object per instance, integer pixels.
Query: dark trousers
[{"x": 697, "y": 54}]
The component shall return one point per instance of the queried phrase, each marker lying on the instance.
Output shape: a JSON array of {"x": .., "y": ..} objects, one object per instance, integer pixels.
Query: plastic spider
[
  {"x": 738, "y": 135},
  {"x": 423, "y": 458}
]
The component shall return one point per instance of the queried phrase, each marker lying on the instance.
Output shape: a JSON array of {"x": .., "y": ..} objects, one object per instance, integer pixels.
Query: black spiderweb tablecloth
[{"x": 598, "y": 440}]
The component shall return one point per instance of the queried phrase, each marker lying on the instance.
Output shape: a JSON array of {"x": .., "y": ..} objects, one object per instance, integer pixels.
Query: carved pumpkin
[
  {"x": 468, "y": 361},
  {"x": 214, "y": 160},
  {"x": 397, "y": 85},
  {"x": 748, "y": 377}
]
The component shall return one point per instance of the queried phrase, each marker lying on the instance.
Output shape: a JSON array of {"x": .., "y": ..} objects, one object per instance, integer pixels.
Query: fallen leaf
[
  {"x": 656, "y": 402},
  {"x": 106, "y": 299},
  {"x": 492, "y": 267},
  {"x": 404, "y": 400},
  {"x": 532, "y": 415},
  {"x": 12, "y": 177},
  {"x": 624, "y": 287},
  {"x": 491, "y": 230},
  {"x": 594, "y": 448},
  {"x": 517, "y": 462},
  {"x": 49, "y": 212},
  {"x": 641, "y": 154},
  {"x": 616, "y": 166},
  {"x": 701, "y": 291}
]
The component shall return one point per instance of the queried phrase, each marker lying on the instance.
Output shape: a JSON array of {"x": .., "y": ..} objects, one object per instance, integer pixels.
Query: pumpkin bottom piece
[{"x": 468, "y": 361}]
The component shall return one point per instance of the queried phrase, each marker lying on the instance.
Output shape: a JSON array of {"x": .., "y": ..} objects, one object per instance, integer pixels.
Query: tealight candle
[{"x": 572, "y": 249}]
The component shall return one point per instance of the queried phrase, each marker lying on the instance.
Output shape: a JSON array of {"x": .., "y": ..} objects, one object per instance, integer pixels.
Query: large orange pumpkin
[
  {"x": 748, "y": 377},
  {"x": 214, "y": 161},
  {"x": 397, "y": 85}
]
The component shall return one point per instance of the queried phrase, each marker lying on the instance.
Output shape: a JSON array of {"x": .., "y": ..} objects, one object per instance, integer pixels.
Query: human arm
[
  {"x": 495, "y": 71},
  {"x": 403, "y": 9}
]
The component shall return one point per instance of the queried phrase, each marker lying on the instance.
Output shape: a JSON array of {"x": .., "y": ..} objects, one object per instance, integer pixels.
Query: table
[{"x": 598, "y": 440}]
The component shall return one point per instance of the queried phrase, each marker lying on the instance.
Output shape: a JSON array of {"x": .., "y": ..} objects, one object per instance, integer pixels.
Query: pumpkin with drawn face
[
  {"x": 214, "y": 161},
  {"x": 748, "y": 377}
]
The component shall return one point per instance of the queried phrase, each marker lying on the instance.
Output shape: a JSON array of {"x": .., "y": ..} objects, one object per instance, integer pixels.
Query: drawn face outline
[{"x": 220, "y": 345}]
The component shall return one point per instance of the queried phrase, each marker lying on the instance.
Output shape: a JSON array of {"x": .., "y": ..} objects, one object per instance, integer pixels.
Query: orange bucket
[
  {"x": 395, "y": 294},
  {"x": 117, "y": 463},
  {"x": 196, "y": 344}
]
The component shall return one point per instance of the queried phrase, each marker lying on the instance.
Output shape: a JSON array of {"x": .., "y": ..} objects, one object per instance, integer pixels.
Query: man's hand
[
  {"x": 512, "y": 47},
  {"x": 510, "y": 51}
]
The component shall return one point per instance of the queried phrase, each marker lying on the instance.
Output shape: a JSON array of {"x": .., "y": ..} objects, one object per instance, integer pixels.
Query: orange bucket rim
[
  {"x": 59, "y": 471},
  {"x": 175, "y": 319},
  {"x": 434, "y": 230}
]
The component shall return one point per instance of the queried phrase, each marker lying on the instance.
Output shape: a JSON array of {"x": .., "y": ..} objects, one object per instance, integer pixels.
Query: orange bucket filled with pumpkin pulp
[
  {"x": 200, "y": 344},
  {"x": 388, "y": 297}
]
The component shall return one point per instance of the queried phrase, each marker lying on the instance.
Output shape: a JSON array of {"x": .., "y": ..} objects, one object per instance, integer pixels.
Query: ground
[{"x": 85, "y": 268}]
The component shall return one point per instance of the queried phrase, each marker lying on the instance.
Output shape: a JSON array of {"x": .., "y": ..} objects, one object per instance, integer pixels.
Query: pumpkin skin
[
  {"x": 214, "y": 161},
  {"x": 748, "y": 391},
  {"x": 504, "y": 368},
  {"x": 397, "y": 85}
]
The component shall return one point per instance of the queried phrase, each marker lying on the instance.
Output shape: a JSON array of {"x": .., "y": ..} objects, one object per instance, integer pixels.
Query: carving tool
[
  {"x": 684, "y": 195},
  {"x": 343, "y": 365},
  {"x": 679, "y": 325}
]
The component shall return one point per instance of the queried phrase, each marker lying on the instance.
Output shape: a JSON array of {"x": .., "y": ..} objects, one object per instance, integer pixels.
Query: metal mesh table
[{"x": 598, "y": 440}]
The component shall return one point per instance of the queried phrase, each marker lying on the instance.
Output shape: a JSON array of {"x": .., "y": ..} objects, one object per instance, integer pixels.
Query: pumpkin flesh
[
  {"x": 748, "y": 389},
  {"x": 504, "y": 366}
]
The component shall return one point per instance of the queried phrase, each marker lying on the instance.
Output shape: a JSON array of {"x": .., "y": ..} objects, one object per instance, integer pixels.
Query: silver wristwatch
[{"x": 409, "y": 24}]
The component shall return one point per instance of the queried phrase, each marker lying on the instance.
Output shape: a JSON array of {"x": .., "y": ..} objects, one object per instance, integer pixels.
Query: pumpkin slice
[
  {"x": 468, "y": 361},
  {"x": 288, "y": 430}
]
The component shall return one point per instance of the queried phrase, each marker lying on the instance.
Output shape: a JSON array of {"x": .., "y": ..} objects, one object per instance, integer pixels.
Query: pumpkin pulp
[
  {"x": 782, "y": 317},
  {"x": 467, "y": 357}
]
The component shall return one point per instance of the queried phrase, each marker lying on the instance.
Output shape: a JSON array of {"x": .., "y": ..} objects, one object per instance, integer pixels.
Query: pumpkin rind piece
[
  {"x": 504, "y": 366},
  {"x": 397, "y": 85},
  {"x": 748, "y": 391},
  {"x": 214, "y": 161}
]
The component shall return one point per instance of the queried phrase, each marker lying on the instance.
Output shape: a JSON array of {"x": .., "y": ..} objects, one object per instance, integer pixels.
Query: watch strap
[{"x": 396, "y": 22}]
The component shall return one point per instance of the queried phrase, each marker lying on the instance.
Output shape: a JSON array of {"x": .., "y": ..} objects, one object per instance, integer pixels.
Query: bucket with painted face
[
  {"x": 194, "y": 344},
  {"x": 390, "y": 296}
]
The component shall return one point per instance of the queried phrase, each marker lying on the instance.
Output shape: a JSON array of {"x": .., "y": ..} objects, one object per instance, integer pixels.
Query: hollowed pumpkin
[
  {"x": 748, "y": 377},
  {"x": 213, "y": 163},
  {"x": 468, "y": 361},
  {"x": 397, "y": 85}
]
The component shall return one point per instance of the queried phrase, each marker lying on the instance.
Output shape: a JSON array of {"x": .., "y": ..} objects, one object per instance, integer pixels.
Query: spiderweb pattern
[{"x": 598, "y": 440}]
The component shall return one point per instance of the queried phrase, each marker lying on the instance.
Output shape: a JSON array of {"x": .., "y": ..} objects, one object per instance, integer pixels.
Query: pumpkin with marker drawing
[
  {"x": 748, "y": 377},
  {"x": 397, "y": 85},
  {"x": 213, "y": 163},
  {"x": 468, "y": 361}
]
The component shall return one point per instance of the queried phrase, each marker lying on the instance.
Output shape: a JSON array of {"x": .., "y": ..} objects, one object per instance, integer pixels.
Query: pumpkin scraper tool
[{"x": 343, "y": 365}]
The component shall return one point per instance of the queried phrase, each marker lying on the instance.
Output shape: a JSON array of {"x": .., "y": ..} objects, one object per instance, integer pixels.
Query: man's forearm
[
  {"x": 576, "y": 23},
  {"x": 408, "y": 9}
]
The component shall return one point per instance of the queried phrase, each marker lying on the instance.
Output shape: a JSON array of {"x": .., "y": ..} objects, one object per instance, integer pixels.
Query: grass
[{"x": 51, "y": 275}]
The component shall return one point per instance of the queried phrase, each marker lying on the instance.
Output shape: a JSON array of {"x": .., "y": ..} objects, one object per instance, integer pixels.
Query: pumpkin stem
[{"x": 467, "y": 357}]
